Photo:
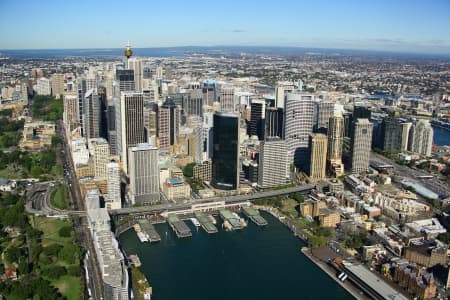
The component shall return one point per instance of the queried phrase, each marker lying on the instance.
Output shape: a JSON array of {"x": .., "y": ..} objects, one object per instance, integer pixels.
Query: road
[
  {"x": 433, "y": 184},
  {"x": 95, "y": 282}
]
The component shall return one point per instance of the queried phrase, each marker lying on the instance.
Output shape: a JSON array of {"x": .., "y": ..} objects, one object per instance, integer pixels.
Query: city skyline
[{"x": 400, "y": 26}]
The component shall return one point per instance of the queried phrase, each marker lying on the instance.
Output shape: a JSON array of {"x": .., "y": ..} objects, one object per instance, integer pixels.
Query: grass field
[
  {"x": 288, "y": 208},
  {"x": 50, "y": 228},
  {"x": 69, "y": 286},
  {"x": 60, "y": 197}
]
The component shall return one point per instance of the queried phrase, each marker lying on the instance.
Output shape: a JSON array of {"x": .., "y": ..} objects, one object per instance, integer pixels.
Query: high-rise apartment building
[
  {"x": 57, "y": 85},
  {"x": 273, "y": 163},
  {"x": 225, "y": 160},
  {"x": 298, "y": 125},
  {"x": 318, "y": 156},
  {"x": 144, "y": 174},
  {"x": 168, "y": 124},
  {"x": 114, "y": 199},
  {"x": 361, "y": 145},
  {"x": 421, "y": 138}
]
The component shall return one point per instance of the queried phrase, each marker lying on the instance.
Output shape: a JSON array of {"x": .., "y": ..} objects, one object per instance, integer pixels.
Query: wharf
[
  {"x": 179, "y": 227},
  {"x": 150, "y": 230},
  {"x": 206, "y": 222},
  {"x": 254, "y": 215},
  {"x": 135, "y": 260},
  {"x": 228, "y": 216}
]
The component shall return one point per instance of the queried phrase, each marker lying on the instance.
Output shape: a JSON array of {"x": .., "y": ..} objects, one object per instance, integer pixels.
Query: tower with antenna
[{"x": 128, "y": 52}]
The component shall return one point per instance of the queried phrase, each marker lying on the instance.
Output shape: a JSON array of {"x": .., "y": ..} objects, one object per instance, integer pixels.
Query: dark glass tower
[{"x": 225, "y": 151}]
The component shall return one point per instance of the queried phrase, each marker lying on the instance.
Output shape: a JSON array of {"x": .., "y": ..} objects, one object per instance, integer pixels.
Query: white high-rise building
[
  {"x": 135, "y": 64},
  {"x": 361, "y": 146},
  {"x": 298, "y": 120},
  {"x": 144, "y": 174},
  {"x": 100, "y": 150},
  {"x": 113, "y": 200},
  {"x": 57, "y": 85},
  {"x": 273, "y": 169},
  {"x": 44, "y": 86},
  {"x": 421, "y": 138}
]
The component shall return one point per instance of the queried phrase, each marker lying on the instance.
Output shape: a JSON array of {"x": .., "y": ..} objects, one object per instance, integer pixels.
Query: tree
[
  {"x": 55, "y": 272},
  {"x": 65, "y": 231},
  {"x": 188, "y": 170},
  {"x": 12, "y": 254},
  {"x": 299, "y": 197},
  {"x": 23, "y": 267},
  {"x": 56, "y": 140},
  {"x": 52, "y": 249},
  {"x": 69, "y": 253},
  {"x": 74, "y": 270}
]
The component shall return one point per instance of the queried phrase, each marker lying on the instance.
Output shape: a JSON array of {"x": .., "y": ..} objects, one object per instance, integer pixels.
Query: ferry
[
  {"x": 195, "y": 222},
  {"x": 227, "y": 225},
  {"x": 142, "y": 237},
  {"x": 212, "y": 219},
  {"x": 241, "y": 220}
]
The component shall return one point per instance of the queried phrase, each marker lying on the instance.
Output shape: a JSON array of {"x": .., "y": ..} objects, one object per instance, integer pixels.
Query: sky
[{"x": 421, "y": 26}]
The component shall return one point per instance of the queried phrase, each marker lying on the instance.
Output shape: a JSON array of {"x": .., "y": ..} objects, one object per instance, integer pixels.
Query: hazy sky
[{"x": 394, "y": 25}]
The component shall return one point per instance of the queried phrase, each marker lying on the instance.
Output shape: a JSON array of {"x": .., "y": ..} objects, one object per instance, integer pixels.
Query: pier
[
  {"x": 149, "y": 230},
  {"x": 231, "y": 222},
  {"x": 206, "y": 223},
  {"x": 179, "y": 227},
  {"x": 254, "y": 215}
]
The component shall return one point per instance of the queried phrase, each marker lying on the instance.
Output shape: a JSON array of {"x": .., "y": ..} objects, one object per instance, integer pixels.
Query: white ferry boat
[{"x": 142, "y": 237}]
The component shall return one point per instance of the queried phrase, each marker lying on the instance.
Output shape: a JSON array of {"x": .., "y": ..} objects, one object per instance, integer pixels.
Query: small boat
[
  {"x": 195, "y": 222},
  {"x": 142, "y": 237}
]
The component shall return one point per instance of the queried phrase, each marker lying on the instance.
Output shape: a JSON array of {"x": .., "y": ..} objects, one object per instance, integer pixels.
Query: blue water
[
  {"x": 252, "y": 264},
  {"x": 441, "y": 137}
]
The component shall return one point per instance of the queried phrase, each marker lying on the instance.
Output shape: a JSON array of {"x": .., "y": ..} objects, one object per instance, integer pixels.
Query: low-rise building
[
  {"x": 417, "y": 281},
  {"x": 203, "y": 171},
  {"x": 329, "y": 218},
  {"x": 176, "y": 189},
  {"x": 429, "y": 228},
  {"x": 7, "y": 185},
  {"x": 426, "y": 254},
  {"x": 37, "y": 135}
]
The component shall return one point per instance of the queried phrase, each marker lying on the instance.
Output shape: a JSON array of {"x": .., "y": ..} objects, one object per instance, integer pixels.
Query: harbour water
[
  {"x": 253, "y": 263},
  {"x": 441, "y": 137}
]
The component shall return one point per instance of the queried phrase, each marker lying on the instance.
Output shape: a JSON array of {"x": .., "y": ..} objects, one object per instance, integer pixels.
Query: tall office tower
[
  {"x": 406, "y": 127},
  {"x": 209, "y": 92},
  {"x": 225, "y": 160},
  {"x": 57, "y": 85},
  {"x": 257, "y": 115},
  {"x": 131, "y": 123},
  {"x": 274, "y": 122},
  {"x": 91, "y": 81},
  {"x": 92, "y": 114},
  {"x": 81, "y": 92},
  {"x": 193, "y": 105},
  {"x": 43, "y": 86},
  {"x": 101, "y": 91},
  {"x": 135, "y": 64},
  {"x": 114, "y": 199},
  {"x": 361, "y": 112},
  {"x": 226, "y": 99},
  {"x": 392, "y": 132},
  {"x": 147, "y": 72},
  {"x": 298, "y": 125},
  {"x": 144, "y": 174},
  {"x": 421, "y": 138},
  {"x": 273, "y": 163},
  {"x": 361, "y": 145},
  {"x": 126, "y": 80},
  {"x": 151, "y": 120},
  {"x": 168, "y": 124},
  {"x": 325, "y": 110},
  {"x": 348, "y": 123},
  {"x": 112, "y": 125},
  {"x": 100, "y": 149},
  {"x": 281, "y": 90},
  {"x": 70, "y": 115},
  {"x": 318, "y": 156},
  {"x": 335, "y": 137}
]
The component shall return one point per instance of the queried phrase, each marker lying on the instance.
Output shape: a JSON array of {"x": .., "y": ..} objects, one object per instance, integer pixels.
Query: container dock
[
  {"x": 149, "y": 230},
  {"x": 206, "y": 223},
  {"x": 179, "y": 227},
  {"x": 254, "y": 215},
  {"x": 230, "y": 220}
]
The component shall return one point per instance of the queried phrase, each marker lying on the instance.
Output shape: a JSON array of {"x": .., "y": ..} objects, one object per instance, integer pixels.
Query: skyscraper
[
  {"x": 144, "y": 174},
  {"x": 421, "y": 138},
  {"x": 70, "y": 115},
  {"x": 126, "y": 80},
  {"x": 335, "y": 143},
  {"x": 257, "y": 115},
  {"x": 225, "y": 160},
  {"x": 113, "y": 200},
  {"x": 226, "y": 99},
  {"x": 274, "y": 122},
  {"x": 298, "y": 120},
  {"x": 57, "y": 85},
  {"x": 92, "y": 114},
  {"x": 209, "y": 92},
  {"x": 193, "y": 105},
  {"x": 100, "y": 149},
  {"x": 131, "y": 122},
  {"x": 273, "y": 163},
  {"x": 318, "y": 156},
  {"x": 81, "y": 92},
  {"x": 135, "y": 64},
  {"x": 101, "y": 91},
  {"x": 361, "y": 145},
  {"x": 325, "y": 110},
  {"x": 168, "y": 124}
]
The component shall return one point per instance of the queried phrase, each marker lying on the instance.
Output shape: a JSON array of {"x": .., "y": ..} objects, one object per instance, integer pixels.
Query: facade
[
  {"x": 335, "y": 134},
  {"x": 131, "y": 123},
  {"x": 257, "y": 115},
  {"x": 361, "y": 146},
  {"x": 37, "y": 135},
  {"x": 135, "y": 64},
  {"x": 92, "y": 114},
  {"x": 273, "y": 163},
  {"x": 426, "y": 254},
  {"x": 193, "y": 105},
  {"x": 176, "y": 189},
  {"x": 318, "y": 156},
  {"x": 226, "y": 99},
  {"x": 274, "y": 122},
  {"x": 416, "y": 280},
  {"x": 144, "y": 174},
  {"x": 329, "y": 218},
  {"x": 57, "y": 85},
  {"x": 168, "y": 124},
  {"x": 325, "y": 109},
  {"x": 44, "y": 86},
  {"x": 202, "y": 171},
  {"x": 395, "y": 134},
  {"x": 81, "y": 92},
  {"x": 100, "y": 149},
  {"x": 421, "y": 138},
  {"x": 113, "y": 200},
  {"x": 70, "y": 115},
  {"x": 225, "y": 160},
  {"x": 209, "y": 92},
  {"x": 298, "y": 125},
  {"x": 126, "y": 80}
]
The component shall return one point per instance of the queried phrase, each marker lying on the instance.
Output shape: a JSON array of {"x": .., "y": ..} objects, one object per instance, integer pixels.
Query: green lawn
[
  {"x": 288, "y": 208},
  {"x": 69, "y": 286},
  {"x": 60, "y": 197},
  {"x": 50, "y": 228}
]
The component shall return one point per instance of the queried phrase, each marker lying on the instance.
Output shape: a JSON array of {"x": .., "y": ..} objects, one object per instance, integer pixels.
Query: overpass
[{"x": 205, "y": 204}]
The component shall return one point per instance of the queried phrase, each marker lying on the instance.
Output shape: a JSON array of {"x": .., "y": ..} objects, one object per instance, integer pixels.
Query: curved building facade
[{"x": 225, "y": 160}]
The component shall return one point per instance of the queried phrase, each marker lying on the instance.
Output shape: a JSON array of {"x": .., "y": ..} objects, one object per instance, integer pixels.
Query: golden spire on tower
[{"x": 128, "y": 51}]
